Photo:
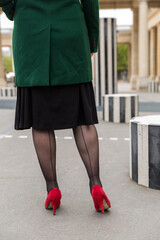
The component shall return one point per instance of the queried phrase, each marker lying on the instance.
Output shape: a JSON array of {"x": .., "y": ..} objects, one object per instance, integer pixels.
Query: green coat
[{"x": 53, "y": 40}]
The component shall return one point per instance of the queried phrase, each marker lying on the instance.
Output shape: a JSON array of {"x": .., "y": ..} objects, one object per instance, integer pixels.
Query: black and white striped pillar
[
  {"x": 105, "y": 60},
  {"x": 145, "y": 151},
  {"x": 8, "y": 92},
  {"x": 119, "y": 108},
  {"x": 153, "y": 86}
]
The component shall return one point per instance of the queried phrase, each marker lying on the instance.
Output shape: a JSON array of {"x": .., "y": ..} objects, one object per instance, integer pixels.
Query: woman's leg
[
  {"x": 45, "y": 146},
  {"x": 86, "y": 139}
]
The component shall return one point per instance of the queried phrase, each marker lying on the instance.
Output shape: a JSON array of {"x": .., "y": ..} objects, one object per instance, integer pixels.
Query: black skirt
[{"x": 55, "y": 107}]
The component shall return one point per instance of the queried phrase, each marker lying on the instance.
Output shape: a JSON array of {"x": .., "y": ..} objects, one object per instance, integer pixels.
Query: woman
[{"x": 53, "y": 42}]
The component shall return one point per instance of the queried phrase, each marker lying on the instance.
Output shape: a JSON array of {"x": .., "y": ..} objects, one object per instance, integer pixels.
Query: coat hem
[{"x": 56, "y": 83}]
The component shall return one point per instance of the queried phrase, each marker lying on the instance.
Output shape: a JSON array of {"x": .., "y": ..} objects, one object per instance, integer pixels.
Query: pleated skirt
[{"x": 55, "y": 107}]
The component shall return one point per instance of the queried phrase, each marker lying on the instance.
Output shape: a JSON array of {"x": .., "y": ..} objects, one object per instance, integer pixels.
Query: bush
[
  {"x": 7, "y": 61},
  {"x": 122, "y": 56}
]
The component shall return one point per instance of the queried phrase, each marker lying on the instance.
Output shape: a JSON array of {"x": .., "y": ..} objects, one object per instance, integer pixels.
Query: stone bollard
[
  {"x": 8, "y": 92},
  {"x": 153, "y": 86},
  {"x": 145, "y": 151},
  {"x": 119, "y": 108}
]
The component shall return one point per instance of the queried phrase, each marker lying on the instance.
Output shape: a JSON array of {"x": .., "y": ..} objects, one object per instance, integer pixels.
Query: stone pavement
[{"x": 135, "y": 210}]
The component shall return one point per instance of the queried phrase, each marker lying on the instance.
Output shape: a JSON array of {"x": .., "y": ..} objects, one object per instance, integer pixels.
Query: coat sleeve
[
  {"x": 91, "y": 11},
  {"x": 8, "y": 7}
]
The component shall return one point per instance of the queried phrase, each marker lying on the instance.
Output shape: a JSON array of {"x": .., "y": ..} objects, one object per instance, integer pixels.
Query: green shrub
[
  {"x": 7, "y": 61},
  {"x": 122, "y": 56}
]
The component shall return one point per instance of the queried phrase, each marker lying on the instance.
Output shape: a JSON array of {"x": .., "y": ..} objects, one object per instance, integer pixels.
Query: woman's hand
[{"x": 91, "y": 54}]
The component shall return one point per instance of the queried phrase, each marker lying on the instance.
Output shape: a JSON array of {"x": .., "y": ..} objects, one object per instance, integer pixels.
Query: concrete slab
[{"x": 135, "y": 210}]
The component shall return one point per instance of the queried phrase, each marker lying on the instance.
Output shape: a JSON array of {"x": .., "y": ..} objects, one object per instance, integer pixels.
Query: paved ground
[{"x": 135, "y": 211}]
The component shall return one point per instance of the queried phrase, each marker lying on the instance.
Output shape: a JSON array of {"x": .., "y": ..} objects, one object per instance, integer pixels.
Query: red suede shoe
[
  {"x": 100, "y": 199},
  {"x": 53, "y": 199}
]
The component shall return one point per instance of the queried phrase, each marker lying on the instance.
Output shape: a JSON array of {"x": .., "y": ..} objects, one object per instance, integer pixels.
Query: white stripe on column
[
  {"x": 115, "y": 56},
  {"x": 102, "y": 57},
  {"x": 109, "y": 46},
  {"x": 116, "y": 109},
  {"x": 106, "y": 105},
  {"x": 9, "y": 92},
  {"x": 143, "y": 155},
  {"x": 130, "y": 146},
  {"x": 136, "y": 99},
  {"x": 3, "y": 92},
  {"x": 127, "y": 108},
  {"x": 96, "y": 73}
]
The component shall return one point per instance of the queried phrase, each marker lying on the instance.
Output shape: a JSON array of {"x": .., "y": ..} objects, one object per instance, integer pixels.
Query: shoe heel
[
  {"x": 53, "y": 199},
  {"x": 101, "y": 205},
  {"x": 55, "y": 205},
  {"x": 98, "y": 203},
  {"x": 107, "y": 201},
  {"x": 101, "y": 201}
]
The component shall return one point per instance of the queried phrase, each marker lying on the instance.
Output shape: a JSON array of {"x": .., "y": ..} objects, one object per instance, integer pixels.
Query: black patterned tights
[{"x": 86, "y": 139}]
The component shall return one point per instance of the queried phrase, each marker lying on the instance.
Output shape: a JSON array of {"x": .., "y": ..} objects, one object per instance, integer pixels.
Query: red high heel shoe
[
  {"x": 53, "y": 199},
  {"x": 100, "y": 199}
]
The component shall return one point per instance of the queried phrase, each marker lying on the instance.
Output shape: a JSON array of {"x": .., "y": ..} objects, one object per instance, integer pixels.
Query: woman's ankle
[
  {"x": 95, "y": 180},
  {"x": 51, "y": 186}
]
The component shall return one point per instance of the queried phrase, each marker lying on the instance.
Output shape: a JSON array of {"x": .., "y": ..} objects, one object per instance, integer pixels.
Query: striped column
[
  {"x": 105, "y": 60},
  {"x": 8, "y": 92},
  {"x": 119, "y": 108},
  {"x": 145, "y": 151},
  {"x": 153, "y": 86}
]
